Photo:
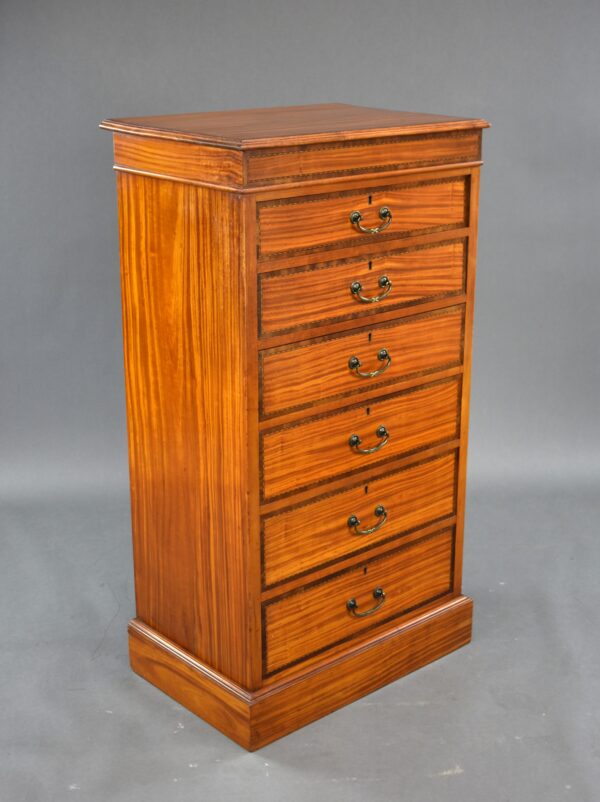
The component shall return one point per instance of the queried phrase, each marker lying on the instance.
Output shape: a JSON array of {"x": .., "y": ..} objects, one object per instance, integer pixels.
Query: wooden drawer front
[
  {"x": 396, "y": 153},
  {"x": 323, "y": 221},
  {"x": 310, "y": 296},
  {"x": 300, "y": 455},
  {"x": 318, "y": 533},
  {"x": 315, "y": 618},
  {"x": 297, "y": 376}
]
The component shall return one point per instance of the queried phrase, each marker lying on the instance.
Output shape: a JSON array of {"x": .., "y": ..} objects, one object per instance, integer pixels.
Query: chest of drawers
[{"x": 297, "y": 290}]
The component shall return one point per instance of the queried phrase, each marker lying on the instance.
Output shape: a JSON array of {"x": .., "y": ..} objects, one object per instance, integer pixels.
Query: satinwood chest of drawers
[{"x": 297, "y": 310}]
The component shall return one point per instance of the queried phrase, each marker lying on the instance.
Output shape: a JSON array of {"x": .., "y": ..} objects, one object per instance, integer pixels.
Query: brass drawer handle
[
  {"x": 355, "y": 441},
  {"x": 384, "y": 214},
  {"x": 356, "y": 290},
  {"x": 354, "y": 522},
  {"x": 352, "y": 604},
  {"x": 354, "y": 364}
]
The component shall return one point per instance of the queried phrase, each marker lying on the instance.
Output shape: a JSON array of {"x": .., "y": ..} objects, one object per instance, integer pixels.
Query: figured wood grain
[
  {"x": 369, "y": 156},
  {"x": 358, "y": 184},
  {"x": 289, "y": 125},
  {"x": 179, "y": 160},
  {"x": 291, "y": 704},
  {"x": 184, "y": 313},
  {"x": 300, "y": 539},
  {"x": 348, "y": 324},
  {"x": 370, "y": 248},
  {"x": 308, "y": 621},
  {"x": 324, "y": 222},
  {"x": 342, "y": 482},
  {"x": 348, "y": 560},
  {"x": 296, "y": 457},
  {"x": 239, "y": 396},
  {"x": 316, "y": 370},
  {"x": 316, "y": 295},
  {"x": 177, "y": 672},
  {"x": 254, "y": 719}
]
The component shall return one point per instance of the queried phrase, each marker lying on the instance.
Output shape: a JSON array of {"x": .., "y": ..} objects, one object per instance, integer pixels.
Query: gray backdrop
[{"x": 530, "y": 67}]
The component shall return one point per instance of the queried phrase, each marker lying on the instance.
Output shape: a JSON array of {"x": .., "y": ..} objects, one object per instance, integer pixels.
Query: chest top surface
[{"x": 289, "y": 125}]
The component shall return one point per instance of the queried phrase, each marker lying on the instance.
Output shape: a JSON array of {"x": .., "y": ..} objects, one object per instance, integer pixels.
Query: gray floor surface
[{"x": 513, "y": 716}]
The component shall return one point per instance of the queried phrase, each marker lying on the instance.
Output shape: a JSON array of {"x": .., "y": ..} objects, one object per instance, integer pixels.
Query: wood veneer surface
[
  {"x": 322, "y": 222},
  {"x": 318, "y": 450},
  {"x": 239, "y": 325},
  {"x": 288, "y": 125},
  {"x": 315, "y": 370},
  {"x": 303, "y": 537},
  {"x": 189, "y": 498},
  {"x": 313, "y": 295}
]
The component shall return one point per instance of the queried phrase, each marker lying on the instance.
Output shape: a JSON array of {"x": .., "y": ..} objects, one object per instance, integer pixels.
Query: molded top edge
[{"x": 288, "y": 125}]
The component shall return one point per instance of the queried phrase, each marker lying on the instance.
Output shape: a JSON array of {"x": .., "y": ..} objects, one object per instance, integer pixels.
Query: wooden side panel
[
  {"x": 468, "y": 352},
  {"x": 318, "y": 450},
  {"x": 184, "y": 319},
  {"x": 299, "y": 375},
  {"x": 309, "y": 296},
  {"x": 373, "y": 156},
  {"x": 300, "y": 539},
  {"x": 306, "y": 224},
  {"x": 179, "y": 160},
  {"x": 308, "y": 621}
]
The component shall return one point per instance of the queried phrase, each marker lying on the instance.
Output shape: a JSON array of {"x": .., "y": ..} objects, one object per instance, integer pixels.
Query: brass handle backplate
[
  {"x": 356, "y": 290},
  {"x": 354, "y": 522},
  {"x": 384, "y": 214},
  {"x": 354, "y": 364},
  {"x": 352, "y": 604},
  {"x": 355, "y": 441}
]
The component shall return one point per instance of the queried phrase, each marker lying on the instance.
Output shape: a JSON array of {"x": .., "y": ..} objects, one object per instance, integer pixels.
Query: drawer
[
  {"x": 299, "y": 455},
  {"x": 311, "y": 535},
  {"x": 323, "y": 221},
  {"x": 352, "y": 158},
  {"x": 300, "y": 375},
  {"x": 318, "y": 617},
  {"x": 315, "y": 295}
]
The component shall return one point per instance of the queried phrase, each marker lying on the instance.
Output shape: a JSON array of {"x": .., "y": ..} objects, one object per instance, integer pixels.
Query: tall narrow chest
[{"x": 297, "y": 290}]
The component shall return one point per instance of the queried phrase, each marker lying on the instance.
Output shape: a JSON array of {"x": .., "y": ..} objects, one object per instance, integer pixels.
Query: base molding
[{"x": 255, "y": 718}]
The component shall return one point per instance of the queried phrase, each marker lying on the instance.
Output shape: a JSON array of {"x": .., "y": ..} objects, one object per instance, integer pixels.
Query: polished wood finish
[
  {"x": 348, "y": 558},
  {"x": 237, "y": 256},
  {"x": 310, "y": 620},
  {"x": 342, "y": 481},
  {"x": 255, "y": 719},
  {"x": 315, "y": 295},
  {"x": 317, "y": 161},
  {"x": 323, "y": 222},
  {"x": 185, "y": 419},
  {"x": 289, "y": 125},
  {"x": 298, "y": 456},
  {"x": 312, "y": 371},
  {"x": 299, "y": 540},
  {"x": 209, "y": 165}
]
